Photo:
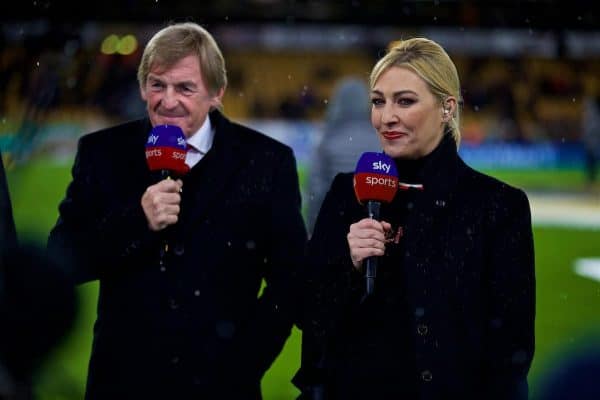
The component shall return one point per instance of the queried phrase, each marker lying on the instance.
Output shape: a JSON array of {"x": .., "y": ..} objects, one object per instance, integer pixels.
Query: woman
[{"x": 452, "y": 315}]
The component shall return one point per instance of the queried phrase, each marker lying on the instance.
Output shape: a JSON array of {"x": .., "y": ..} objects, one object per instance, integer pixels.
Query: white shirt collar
[{"x": 202, "y": 140}]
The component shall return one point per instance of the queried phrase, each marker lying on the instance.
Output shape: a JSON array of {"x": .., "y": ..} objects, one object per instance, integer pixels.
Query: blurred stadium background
[{"x": 527, "y": 69}]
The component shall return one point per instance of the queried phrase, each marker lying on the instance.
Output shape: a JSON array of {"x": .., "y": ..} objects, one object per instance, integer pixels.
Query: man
[{"x": 184, "y": 320}]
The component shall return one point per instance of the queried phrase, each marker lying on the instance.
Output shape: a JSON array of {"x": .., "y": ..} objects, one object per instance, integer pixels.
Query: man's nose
[{"x": 169, "y": 99}]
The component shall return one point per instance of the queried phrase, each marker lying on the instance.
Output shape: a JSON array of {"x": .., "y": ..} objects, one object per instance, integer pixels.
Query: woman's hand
[{"x": 367, "y": 238}]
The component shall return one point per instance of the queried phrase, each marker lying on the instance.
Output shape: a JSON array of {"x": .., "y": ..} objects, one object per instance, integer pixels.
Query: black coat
[
  {"x": 453, "y": 312},
  {"x": 192, "y": 325}
]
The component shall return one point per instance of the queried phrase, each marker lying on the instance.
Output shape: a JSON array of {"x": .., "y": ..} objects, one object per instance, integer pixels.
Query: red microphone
[
  {"x": 375, "y": 182},
  {"x": 166, "y": 150}
]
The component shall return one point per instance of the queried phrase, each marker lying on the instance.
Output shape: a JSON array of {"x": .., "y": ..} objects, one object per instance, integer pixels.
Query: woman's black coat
[{"x": 467, "y": 302}]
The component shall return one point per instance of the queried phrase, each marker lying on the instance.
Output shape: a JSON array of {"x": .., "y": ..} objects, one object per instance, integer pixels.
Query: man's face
[{"x": 177, "y": 95}]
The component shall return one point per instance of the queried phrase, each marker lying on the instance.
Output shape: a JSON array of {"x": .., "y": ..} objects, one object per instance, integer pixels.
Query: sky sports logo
[
  {"x": 381, "y": 166},
  {"x": 381, "y": 180},
  {"x": 166, "y": 136},
  {"x": 176, "y": 154},
  {"x": 375, "y": 178}
]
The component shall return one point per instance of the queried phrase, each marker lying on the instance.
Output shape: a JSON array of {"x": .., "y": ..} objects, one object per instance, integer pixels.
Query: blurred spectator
[
  {"x": 346, "y": 134},
  {"x": 37, "y": 306},
  {"x": 42, "y": 95},
  {"x": 591, "y": 135},
  {"x": 575, "y": 377},
  {"x": 8, "y": 236},
  {"x": 37, "y": 309}
]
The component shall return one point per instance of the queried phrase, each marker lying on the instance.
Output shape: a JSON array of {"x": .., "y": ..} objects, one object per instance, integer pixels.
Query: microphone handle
[
  {"x": 373, "y": 208},
  {"x": 166, "y": 233}
]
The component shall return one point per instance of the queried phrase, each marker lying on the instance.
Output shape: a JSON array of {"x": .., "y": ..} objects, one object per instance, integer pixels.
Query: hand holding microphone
[
  {"x": 165, "y": 152},
  {"x": 161, "y": 203},
  {"x": 367, "y": 238},
  {"x": 375, "y": 181}
]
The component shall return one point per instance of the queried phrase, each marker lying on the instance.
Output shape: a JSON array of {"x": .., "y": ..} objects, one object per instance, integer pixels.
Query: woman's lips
[{"x": 391, "y": 135}]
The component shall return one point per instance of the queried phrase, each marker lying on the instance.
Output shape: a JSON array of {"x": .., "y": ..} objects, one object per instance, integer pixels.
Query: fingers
[
  {"x": 161, "y": 203},
  {"x": 367, "y": 238}
]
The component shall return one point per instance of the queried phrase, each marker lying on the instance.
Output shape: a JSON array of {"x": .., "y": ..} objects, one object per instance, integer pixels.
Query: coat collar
[{"x": 440, "y": 175}]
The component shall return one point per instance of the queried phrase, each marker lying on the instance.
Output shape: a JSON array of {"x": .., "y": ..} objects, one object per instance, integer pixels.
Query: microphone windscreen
[
  {"x": 166, "y": 149},
  {"x": 375, "y": 178}
]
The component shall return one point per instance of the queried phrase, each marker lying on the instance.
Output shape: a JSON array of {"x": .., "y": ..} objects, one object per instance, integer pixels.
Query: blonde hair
[
  {"x": 430, "y": 61},
  {"x": 177, "y": 41}
]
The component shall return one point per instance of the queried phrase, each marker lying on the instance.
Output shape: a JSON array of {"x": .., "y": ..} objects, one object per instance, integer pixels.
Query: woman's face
[{"x": 407, "y": 117}]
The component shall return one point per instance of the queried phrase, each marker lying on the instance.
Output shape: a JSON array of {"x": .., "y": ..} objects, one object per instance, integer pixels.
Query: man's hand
[{"x": 161, "y": 203}]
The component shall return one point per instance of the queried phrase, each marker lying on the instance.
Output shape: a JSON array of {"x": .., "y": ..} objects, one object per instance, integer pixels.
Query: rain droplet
[
  {"x": 37, "y": 63},
  {"x": 289, "y": 77},
  {"x": 573, "y": 100},
  {"x": 563, "y": 296},
  {"x": 196, "y": 292},
  {"x": 228, "y": 244},
  {"x": 325, "y": 101},
  {"x": 250, "y": 245},
  {"x": 476, "y": 108}
]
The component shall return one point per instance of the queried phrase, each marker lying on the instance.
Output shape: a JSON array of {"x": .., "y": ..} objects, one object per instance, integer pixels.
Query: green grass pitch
[{"x": 567, "y": 304}]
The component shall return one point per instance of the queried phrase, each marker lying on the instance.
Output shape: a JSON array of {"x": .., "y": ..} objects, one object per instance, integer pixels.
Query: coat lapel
[{"x": 215, "y": 170}]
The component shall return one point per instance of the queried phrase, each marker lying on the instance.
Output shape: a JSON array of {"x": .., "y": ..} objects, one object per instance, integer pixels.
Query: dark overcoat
[
  {"x": 463, "y": 305},
  {"x": 192, "y": 323}
]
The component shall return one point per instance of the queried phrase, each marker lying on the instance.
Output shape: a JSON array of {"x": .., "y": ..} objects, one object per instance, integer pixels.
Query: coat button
[
  {"x": 422, "y": 329},
  {"x": 179, "y": 249},
  {"x": 426, "y": 376}
]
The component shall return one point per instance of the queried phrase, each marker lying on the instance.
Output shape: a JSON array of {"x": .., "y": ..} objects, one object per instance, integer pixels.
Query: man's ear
[
  {"x": 143, "y": 92},
  {"x": 216, "y": 100}
]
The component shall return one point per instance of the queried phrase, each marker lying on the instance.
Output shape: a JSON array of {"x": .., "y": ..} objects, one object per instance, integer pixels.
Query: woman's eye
[
  {"x": 405, "y": 102},
  {"x": 377, "y": 102}
]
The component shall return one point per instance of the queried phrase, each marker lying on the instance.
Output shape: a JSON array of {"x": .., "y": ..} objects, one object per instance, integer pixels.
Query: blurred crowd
[{"x": 62, "y": 76}]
